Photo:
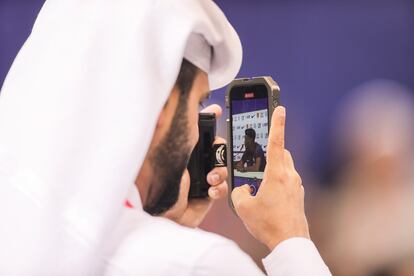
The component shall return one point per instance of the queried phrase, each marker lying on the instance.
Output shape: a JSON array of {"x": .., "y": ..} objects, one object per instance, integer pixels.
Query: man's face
[
  {"x": 174, "y": 139},
  {"x": 248, "y": 142}
]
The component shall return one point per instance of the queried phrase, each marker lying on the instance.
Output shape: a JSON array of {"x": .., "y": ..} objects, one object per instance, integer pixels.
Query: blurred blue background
[{"x": 318, "y": 51}]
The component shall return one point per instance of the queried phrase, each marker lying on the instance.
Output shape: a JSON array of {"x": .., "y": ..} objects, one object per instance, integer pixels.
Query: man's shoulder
[
  {"x": 155, "y": 245},
  {"x": 157, "y": 228},
  {"x": 259, "y": 148}
]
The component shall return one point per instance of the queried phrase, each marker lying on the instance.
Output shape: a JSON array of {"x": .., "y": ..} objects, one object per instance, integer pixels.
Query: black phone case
[{"x": 201, "y": 160}]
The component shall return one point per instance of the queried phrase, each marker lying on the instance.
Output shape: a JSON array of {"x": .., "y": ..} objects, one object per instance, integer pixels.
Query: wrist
[{"x": 273, "y": 242}]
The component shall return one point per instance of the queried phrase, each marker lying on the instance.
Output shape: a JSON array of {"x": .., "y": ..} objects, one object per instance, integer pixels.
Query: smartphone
[
  {"x": 251, "y": 102},
  {"x": 202, "y": 158}
]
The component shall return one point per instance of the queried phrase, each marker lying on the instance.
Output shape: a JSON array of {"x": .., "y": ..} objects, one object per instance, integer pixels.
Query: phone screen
[{"x": 250, "y": 130}]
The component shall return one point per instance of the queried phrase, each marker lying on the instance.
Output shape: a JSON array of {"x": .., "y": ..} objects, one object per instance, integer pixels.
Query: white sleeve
[
  {"x": 225, "y": 258},
  {"x": 296, "y": 256}
]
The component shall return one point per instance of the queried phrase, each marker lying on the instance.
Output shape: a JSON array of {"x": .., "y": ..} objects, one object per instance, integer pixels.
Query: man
[
  {"x": 99, "y": 98},
  {"x": 253, "y": 159}
]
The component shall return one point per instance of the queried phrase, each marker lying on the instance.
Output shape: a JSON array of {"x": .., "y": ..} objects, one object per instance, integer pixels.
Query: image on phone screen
[{"x": 250, "y": 134}]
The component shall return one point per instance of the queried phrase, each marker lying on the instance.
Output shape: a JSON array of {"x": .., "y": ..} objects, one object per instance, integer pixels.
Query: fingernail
[
  {"x": 248, "y": 187},
  {"x": 281, "y": 110},
  {"x": 214, "y": 177},
  {"x": 214, "y": 192}
]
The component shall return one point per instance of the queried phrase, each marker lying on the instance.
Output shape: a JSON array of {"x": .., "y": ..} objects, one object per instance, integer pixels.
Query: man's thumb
[
  {"x": 241, "y": 199},
  {"x": 185, "y": 182}
]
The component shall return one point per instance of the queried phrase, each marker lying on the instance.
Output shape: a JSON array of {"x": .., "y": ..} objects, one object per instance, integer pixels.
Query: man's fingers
[
  {"x": 185, "y": 184},
  {"x": 218, "y": 191},
  {"x": 276, "y": 144},
  {"x": 217, "y": 179},
  {"x": 241, "y": 199},
  {"x": 217, "y": 175},
  {"x": 289, "y": 160},
  {"x": 214, "y": 108}
]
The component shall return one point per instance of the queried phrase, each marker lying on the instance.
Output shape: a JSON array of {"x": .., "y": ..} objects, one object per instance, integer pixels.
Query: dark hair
[
  {"x": 250, "y": 133},
  {"x": 174, "y": 145},
  {"x": 186, "y": 77}
]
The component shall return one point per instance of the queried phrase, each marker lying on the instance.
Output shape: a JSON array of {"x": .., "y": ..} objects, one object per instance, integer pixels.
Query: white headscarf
[{"x": 77, "y": 113}]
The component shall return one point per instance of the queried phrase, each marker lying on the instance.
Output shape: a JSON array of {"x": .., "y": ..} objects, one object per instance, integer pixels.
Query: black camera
[{"x": 205, "y": 156}]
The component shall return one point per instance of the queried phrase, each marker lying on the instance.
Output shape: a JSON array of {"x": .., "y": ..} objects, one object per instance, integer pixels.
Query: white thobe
[{"x": 146, "y": 245}]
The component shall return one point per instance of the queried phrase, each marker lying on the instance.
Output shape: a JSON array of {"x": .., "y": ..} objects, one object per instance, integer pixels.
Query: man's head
[
  {"x": 175, "y": 136},
  {"x": 249, "y": 138}
]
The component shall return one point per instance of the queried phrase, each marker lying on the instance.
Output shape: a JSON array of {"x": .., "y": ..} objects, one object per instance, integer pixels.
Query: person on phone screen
[{"x": 253, "y": 158}]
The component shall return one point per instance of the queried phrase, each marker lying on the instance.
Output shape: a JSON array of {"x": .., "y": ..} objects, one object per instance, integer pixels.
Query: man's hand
[
  {"x": 239, "y": 165},
  {"x": 242, "y": 169},
  {"x": 276, "y": 213},
  {"x": 192, "y": 213}
]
